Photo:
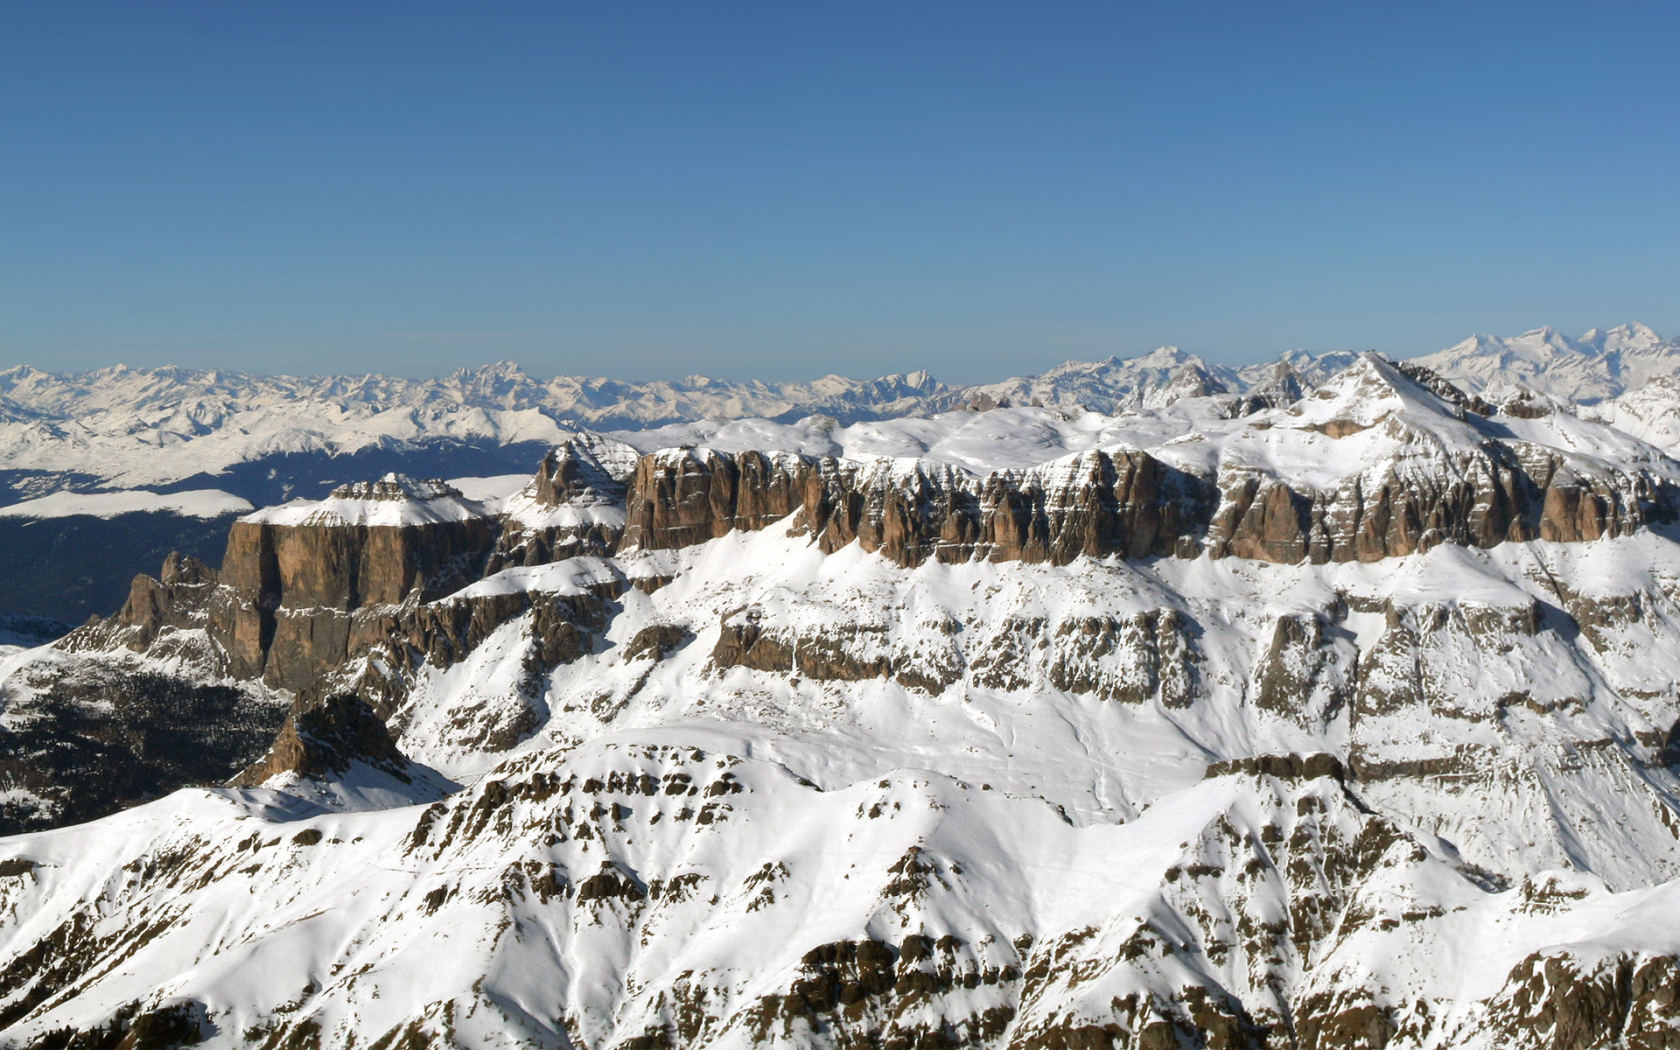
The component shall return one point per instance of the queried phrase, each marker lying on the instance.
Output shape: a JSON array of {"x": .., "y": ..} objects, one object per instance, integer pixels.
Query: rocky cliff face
[
  {"x": 164, "y": 616},
  {"x": 1129, "y": 504},
  {"x": 350, "y": 593},
  {"x": 297, "y": 588},
  {"x": 297, "y": 591}
]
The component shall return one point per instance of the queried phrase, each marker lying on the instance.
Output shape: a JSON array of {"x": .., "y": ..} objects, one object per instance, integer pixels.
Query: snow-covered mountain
[
  {"x": 1651, "y": 412},
  {"x": 127, "y": 463},
  {"x": 1343, "y": 721},
  {"x": 104, "y": 472},
  {"x": 126, "y": 428},
  {"x": 169, "y": 428},
  {"x": 1594, "y": 367}
]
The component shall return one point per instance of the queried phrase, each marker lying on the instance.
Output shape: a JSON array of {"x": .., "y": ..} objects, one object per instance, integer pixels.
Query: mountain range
[
  {"x": 122, "y": 428},
  {"x": 1330, "y": 704},
  {"x": 126, "y": 464}
]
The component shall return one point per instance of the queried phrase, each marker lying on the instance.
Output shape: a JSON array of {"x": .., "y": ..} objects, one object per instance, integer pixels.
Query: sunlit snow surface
[{"x": 198, "y": 503}]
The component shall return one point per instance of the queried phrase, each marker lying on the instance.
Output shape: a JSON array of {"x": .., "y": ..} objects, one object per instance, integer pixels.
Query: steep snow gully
[{"x": 1334, "y": 710}]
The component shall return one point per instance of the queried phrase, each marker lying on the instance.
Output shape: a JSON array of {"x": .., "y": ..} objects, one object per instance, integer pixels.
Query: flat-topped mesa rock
[
  {"x": 1407, "y": 462},
  {"x": 307, "y": 587},
  {"x": 298, "y": 580},
  {"x": 574, "y": 506}
]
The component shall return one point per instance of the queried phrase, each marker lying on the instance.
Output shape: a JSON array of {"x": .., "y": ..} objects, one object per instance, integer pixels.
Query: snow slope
[
  {"x": 200, "y": 503},
  {"x": 536, "y": 910},
  {"x": 694, "y": 852},
  {"x": 392, "y": 501},
  {"x": 1650, "y": 413}
]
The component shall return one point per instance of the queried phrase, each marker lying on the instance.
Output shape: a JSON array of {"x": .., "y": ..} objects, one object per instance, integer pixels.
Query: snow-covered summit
[
  {"x": 1599, "y": 364},
  {"x": 1110, "y": 385},
  {"x": 395, "y": 486},
  {"x": 1370, "y": 391},
  {"x": 394, "y": 500}
]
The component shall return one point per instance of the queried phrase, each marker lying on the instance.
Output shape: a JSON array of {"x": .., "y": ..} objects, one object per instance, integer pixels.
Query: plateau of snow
[{"x": 198, "y": 503}]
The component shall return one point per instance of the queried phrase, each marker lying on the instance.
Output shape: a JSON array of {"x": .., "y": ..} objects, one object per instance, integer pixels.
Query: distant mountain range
[
  {"x": 1599, "y": 365},
  {"x": 188, "y": 449},
  {"x": 125, "y": 428}
]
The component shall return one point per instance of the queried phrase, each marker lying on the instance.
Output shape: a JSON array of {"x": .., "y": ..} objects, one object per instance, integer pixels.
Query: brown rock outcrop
[
  {"x": 1260, "y": 518},
  {"x": 326, "y": 741},
  {"x": 1292, "y": 767},
  {"x": 288, "y": 608},
  {"x": 1128, "y": 503},
  {"x": 562, "y": 629},
  {"x": 1303, "y": 673},
  {"x": 657, "y": 641},
  {"x": 572, "y": 507},
  {"x": 1561, "y": 1002},
  {"x": 681, "y": 497},
  {"x": 839, "y": 653},
  {"x": 1096, "y": 504},
  {"x": 177, "y": 599}
]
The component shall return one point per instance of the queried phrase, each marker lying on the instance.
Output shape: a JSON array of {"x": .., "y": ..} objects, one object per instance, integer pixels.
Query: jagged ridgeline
[{"x": 1334, "y": 716}]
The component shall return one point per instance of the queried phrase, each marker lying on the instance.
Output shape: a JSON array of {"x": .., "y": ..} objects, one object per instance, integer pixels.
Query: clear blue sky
[{"x": 783, "y": 189}]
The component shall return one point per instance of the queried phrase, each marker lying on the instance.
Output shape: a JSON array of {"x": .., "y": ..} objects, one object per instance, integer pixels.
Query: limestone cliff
[{"x": 1128, "y": 503}]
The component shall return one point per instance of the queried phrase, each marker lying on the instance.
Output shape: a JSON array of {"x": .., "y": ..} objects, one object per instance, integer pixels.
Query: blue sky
[{"x": 791, "y": 188}]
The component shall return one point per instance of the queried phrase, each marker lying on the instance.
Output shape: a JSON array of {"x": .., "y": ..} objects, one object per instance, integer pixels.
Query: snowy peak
[
  {"x": 129, "y": 428},
  {"x": 1278, "y": 386},
  {"x": 396, "y": 500},
  {"x": 1155, "y": 379},
  {"x": 1596, "y": 366},
  {"x": 1192, "y": 379},
  {"x": 1374, "y": 390},
  {"x": 584, "y": 470},
  {"x": 1624, "y": 338}
]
